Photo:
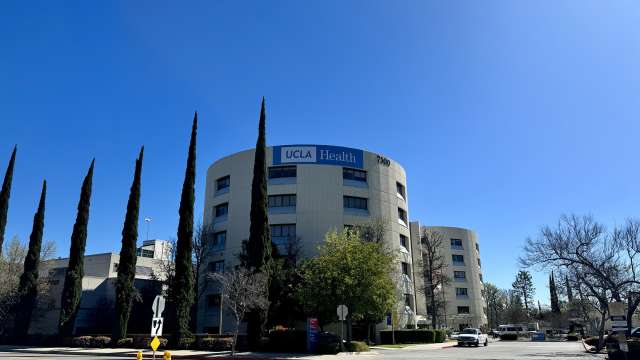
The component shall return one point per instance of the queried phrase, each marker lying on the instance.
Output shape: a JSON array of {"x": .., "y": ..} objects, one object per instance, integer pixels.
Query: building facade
[
  {"x": 463, "y": 297},
  {"x": 96, "y": 312},
  {"x": 312, "y": 189}
]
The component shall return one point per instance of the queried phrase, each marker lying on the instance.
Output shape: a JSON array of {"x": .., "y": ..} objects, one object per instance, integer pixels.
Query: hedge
[
  {"x": 357, "y": 346},
  {"x": 214, "y": 343},
  {"x": 408, "y": 336},
  {"x": 294, "y": 341},
  {"x": 508, "y": 337},
  {"x": 440, "y": 336},
  {"x": 572, "y": 337}
]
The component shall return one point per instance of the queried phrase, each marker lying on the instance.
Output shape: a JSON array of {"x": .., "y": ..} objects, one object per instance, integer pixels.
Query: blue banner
[{"x": 318, "y": 154}]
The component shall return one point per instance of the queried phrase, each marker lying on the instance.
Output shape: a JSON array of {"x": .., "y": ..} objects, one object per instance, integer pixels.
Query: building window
[
  {"x": 479, "y": 262},
  {"x": 405, "y": 269},
  {"x": 145, "y": 253},
  {"x": 402, "y": 215},
  {"x": 349, "y": 227},
  {"x": 288, "y": 200},
  {"x": 459, "y": 276},
  {"x": 216, "y": 266},
  {"x": 456, "y": 244},
  {"x": 352, "y": 202},
  {"x": 477, "y": 247},
  {"x": 480, "y": 276},
  {"x": 213, "y": 301},
  {"x": 403, "y": 241},
  {"x": 407, "y": 300},
  {"x": 354, "y": 174},
  {"x": 223, "y": 183},
  {"x": 457, "y": 259},
  {"x": 222, "y": 210},
  {"x": 282, "y": 235},
  {"x": 218, "y": 241},
  {"x": 276, "y": 172},
  {"x": 462, "y": 292},
  {"x": 401, "y": 190},
  {"x": 463, "y": 310}
]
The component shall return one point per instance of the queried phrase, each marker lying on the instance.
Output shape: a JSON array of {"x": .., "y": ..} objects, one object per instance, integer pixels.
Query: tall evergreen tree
[
  {"x": 5, "y": 192},
  {"x": 128, "y": 259},
  {"x": 553, "y": 292},
  {"x": 569, "y": 290},
  {"x": 523, "y": 285},
  {"x": 259, "y": 244},
  {"x": 72, "y": 290},
  {"x": 183, "y": 279},
  {"x": 28, "y": 289}
]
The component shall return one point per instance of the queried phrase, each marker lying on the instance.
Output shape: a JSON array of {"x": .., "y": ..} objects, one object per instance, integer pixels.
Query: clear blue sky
[{"x": 505, "y": 114}]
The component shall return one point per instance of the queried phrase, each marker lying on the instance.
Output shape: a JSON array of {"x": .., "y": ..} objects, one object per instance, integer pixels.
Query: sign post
[
  {"x": 312, "y": 334},
  {"x": 618, "y": 318},
  {"x": 156, "y": 322},
  {"x": 342, "y": 311}
]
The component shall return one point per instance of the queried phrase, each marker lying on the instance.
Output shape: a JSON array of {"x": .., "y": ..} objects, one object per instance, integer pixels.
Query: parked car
[
  {"x": 635, "y": 333},
  {"x": 454, "y": 335},
  {"x": 472, "y": 336}
]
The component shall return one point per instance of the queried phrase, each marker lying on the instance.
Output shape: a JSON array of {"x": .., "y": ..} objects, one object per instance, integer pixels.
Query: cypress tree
[
  {"x": 4, "y": 196},
  {"x": 553, "y": 291},
  {"x": 569, "y": 290},
  {"x": 72, "y": 290},
  {"x": 128, "y": 259},
  {"x": 183, "y": 279},
  {"x": 28, "y": 289},
  {"x": 259, "y": 244}
]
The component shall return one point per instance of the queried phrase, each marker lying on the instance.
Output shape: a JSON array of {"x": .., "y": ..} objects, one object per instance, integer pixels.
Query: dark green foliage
[
  {"x": 569, "y": 290},
  {"x": 553, "y": 291},
  {"x": 127, "y": 265},
  {"x": 214, "y": 343},
  {"x": 523, "y": 286},
  {"x": 72, "y": 291},
  {"x": 287, "y": 341},
  {"x": 509, "y": 337},
  {"x": 259, "y": 244},
  {"x": 4, "y": 196},
  {"x": 416, "y": 336},
  {"x": 28, "y": 290},
  {"x": 356, "y": 346},
  {"x": 440, "y": 336},
  {"x": 183, "y": 279}
]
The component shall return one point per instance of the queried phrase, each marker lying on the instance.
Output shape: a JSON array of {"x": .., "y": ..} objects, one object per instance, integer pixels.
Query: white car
[{"x": 471, "y": 336}]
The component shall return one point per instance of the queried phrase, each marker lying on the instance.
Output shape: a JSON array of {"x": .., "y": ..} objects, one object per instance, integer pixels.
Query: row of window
[
  {"x": 459, "y": 260},
  {"x": 456, "y": 244},
  {"x": 276, "y": 172}
]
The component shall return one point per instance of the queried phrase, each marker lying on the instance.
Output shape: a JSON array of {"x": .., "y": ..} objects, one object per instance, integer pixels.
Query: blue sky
[{"x": 505, "y": 114}]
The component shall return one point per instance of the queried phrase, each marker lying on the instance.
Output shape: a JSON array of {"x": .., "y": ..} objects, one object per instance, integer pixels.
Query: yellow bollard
[
  {"x": 139, "y": 355},
  {"x": 167, "y": 356}
]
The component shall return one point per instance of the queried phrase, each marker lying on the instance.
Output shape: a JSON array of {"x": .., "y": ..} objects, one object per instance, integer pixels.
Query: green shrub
[
  {"x": 289, "y": 341},
  {"x": 100, "y": 341},
  {"x": 440, "y": 336},
  {"x": 125, "y": 343},
  {"x": 508, "y": 337},
  {"x": 81, "y": 341},
  {"x": 184, "y": 343},
  {"x": 572, "y": 337},
  {"x": 328, "y": 343},
  {"x": 357, "y": 346},
  {"x": 214, "y": 343},
  {"x": 408, "y": 336}
]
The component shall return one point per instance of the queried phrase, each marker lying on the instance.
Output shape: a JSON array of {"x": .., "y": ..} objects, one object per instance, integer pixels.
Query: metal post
[{"x": 220, "y": 316}]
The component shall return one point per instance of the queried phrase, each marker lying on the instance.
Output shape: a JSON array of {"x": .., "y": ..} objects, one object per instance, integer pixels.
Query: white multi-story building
[
  {"x": 312, "y": 189},
  {"x": 464, "y": 295}
]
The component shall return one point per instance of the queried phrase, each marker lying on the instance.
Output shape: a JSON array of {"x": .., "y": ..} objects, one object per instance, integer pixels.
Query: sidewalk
[
  {"x": 175, "y": 354},
  {"x": 411, "y": 347}
]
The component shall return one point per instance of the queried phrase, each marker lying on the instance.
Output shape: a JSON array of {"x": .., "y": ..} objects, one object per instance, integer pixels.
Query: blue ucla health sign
[{"x": 318, "y": 154}]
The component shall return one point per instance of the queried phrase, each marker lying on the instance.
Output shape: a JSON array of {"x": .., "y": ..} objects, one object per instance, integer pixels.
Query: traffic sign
[
  {"x": 155, "y": 343},
  {"x": 158, "y": 306},
  {"x": 156, "y": 326},
  {"x": 342, "y": 311}
]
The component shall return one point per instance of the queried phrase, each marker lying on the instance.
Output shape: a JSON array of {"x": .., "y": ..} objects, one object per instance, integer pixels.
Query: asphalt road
[
  {"x": 495, "y": 351},
  {"x": 498, "y": 351}
]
